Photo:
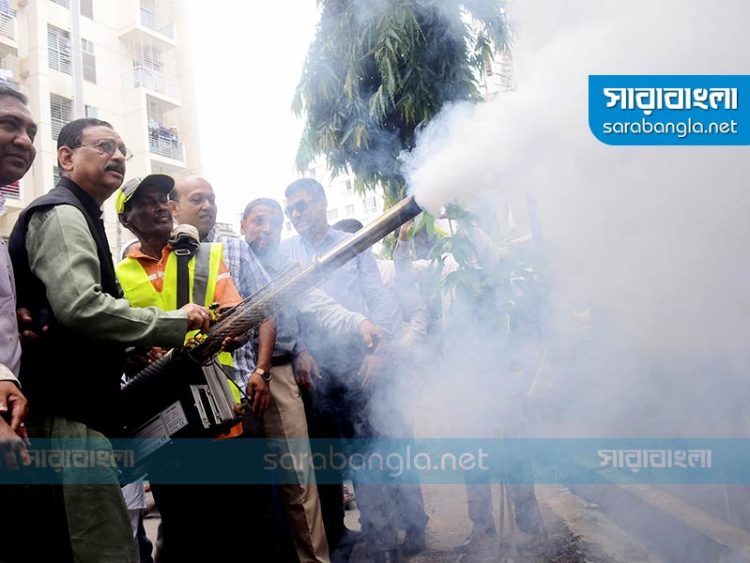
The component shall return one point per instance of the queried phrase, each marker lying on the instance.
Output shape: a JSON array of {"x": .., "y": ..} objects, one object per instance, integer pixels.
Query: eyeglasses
[
  {"x": 299, "y": 207},
  {"x": 109, "y": 147}
]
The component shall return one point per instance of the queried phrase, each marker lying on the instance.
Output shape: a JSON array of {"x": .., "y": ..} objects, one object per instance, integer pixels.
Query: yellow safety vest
[{"x": 203, "y": 270}]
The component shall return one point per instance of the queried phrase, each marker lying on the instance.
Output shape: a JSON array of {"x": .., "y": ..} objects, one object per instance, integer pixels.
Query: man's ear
[
  {"x": 65, "y": 158},
  {"x": 173, "y": 208},
  {"x": 242, "y": 227},
  {"x": 123, "y": 217}
]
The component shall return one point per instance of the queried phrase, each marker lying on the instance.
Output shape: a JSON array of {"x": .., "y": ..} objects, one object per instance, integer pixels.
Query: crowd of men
[
  {"x": 319, "y": 367},
  {"x": 86, "y": 321}
]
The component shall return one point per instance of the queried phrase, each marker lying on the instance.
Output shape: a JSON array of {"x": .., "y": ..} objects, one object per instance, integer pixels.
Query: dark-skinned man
[
  {"x": 150, "y": 275},
  {"x": 66, "y": 279},
  {"x": 17, "y": 152}
]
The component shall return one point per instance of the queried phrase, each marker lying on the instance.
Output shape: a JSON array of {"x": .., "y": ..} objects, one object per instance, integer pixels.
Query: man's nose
[{"x": 23, "y": 139}]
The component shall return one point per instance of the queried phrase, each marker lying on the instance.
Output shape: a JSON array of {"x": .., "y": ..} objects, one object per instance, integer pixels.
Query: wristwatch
[{"x": 265, "y": 374}]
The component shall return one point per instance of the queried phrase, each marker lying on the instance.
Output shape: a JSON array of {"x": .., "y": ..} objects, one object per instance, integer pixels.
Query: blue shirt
[{"x": 356, "y": 285}]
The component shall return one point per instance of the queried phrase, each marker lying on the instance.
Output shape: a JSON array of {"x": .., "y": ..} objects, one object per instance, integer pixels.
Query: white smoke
[{"x": 652, "y": 240}]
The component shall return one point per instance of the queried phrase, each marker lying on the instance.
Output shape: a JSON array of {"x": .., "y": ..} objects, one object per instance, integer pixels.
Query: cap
[{"x": 128, "y": 189}]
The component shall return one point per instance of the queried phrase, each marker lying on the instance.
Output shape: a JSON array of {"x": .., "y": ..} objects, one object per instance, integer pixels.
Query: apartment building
[{"x": 125, "y": 61}]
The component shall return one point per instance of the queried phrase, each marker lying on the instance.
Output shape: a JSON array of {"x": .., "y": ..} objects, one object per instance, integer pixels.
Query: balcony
[
  {"x": 148, "y": 21},
  {"x": 164, "y": 141},
  {"x": 157, "y": 23},
  {"x": 145, "y": 77},
  {"x": 8, "y": 23}
]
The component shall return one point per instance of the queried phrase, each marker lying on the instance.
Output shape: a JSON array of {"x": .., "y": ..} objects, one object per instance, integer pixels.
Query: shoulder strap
[
  {"x": 201, "y": 274},
  {"x": 183, "y": 253}
]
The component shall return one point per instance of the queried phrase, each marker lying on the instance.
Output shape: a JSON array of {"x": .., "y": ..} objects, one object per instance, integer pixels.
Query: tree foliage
[{"x": 378, "y": 70}]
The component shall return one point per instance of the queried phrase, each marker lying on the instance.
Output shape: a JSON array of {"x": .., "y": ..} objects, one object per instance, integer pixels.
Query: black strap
[{"x": 183, "y": 277}]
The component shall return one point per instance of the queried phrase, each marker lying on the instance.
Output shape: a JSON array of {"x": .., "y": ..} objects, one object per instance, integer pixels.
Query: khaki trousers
[{"x": 285, "y": 419}]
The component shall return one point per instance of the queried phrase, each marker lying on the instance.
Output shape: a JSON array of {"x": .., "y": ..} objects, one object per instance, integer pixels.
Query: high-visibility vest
[{"x": 203, "y": 273}]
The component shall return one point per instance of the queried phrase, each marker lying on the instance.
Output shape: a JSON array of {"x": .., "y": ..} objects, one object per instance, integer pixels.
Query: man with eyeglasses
[{"x": 66, "y": 278}]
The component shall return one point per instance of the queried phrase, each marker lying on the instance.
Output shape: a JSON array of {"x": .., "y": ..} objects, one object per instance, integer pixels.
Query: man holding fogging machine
[
  {"x": 163, "y": 269},
  {"x": 66, "y": 279}
]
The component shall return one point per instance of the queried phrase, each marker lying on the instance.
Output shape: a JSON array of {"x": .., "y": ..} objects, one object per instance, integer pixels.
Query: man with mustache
[{"x": 66, "y": 278}]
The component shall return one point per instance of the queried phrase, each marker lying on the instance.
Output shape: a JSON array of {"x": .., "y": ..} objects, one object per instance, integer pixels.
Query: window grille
[
  {"x": 89, "y": 61},
  {"x": 61, "y": 111},
  {"x": 58, "y": 49}
]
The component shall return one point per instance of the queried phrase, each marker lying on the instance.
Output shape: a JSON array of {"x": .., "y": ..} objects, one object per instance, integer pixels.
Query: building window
[
  {"x": 63, "y": 3},
  {"x": 61, "y": 111},
  {"x": 349, "y": 187},
  {"x": 87, "y": 8},
  {"x": 89, "y": 61},
  {"x": 333, "y": 214},
  {"x": 58, "y": 49},
  {"x": 91, "y": 111},
  {"x": 371, "y": 203},
  {"x": 349, "y": 210}
]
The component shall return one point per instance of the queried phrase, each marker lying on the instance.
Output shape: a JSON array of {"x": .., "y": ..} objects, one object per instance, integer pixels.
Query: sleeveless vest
[{"x": 68, "y": 373}]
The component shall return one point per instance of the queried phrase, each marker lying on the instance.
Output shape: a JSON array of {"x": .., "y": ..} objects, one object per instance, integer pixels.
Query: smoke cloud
[{"x": 647, "y": 244}]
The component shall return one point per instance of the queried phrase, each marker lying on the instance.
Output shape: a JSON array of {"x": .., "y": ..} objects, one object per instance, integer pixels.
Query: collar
[
  {"x": 88, "y": 202},
  {"x": 329, "y": 234},
  {"x": 134, "y": 251},
  {"x": 213, "y": 235}
]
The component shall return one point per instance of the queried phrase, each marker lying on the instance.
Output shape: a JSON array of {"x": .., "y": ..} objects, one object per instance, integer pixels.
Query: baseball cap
[{"x": 127, "y": 190}]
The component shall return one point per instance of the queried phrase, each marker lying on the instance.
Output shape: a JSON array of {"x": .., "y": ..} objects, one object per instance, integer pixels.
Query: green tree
[{"x": 377, "y": 70}]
